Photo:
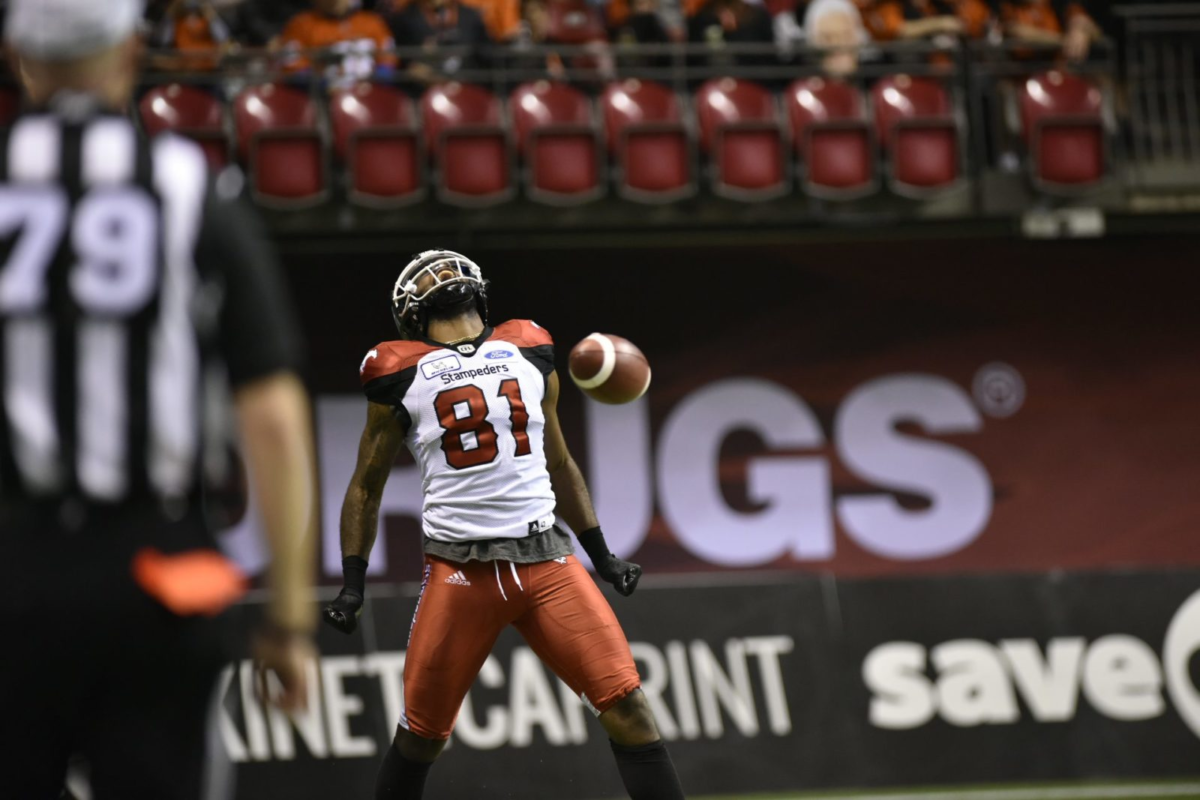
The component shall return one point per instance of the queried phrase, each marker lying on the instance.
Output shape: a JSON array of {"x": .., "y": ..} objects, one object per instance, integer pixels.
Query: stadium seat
[
  {"x": 375, "y": 136},
  {"x": 648, "y": 141},
  {"x": 832, "y": 138},
  {"x": 190, "y": 112},
  {"x": 917, "y": 127},
  {"x": 741, "y": 133},
  {"x": 573, "y": 22},
  {"x": 281, "y": 143},
  {"x": 10, "y": 104},
  {"x": 1063, "y": 126},
  {"x": 556, "y": 134},
  {"x": 464, "y": 131}
]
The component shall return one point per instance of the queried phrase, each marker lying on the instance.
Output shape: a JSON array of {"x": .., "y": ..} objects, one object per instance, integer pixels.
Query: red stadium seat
[
  {"x": 1063, "y": 125},
  {"x": 740, "y": 132},
  {"x": 375, "y": 136},
  {"x": 556, "y": 135},
  {"x": 278, "y": 138},
  {"x": 573, "y": 22},
  {"x": 10, "y": 104},
  {"x": 190, "y": 112},
  {"x": 832, "y": 138},
  {"x": 917, "y": 127},
  {"x": 648, "y": 141},
  {"x": 464, "y": 130}
]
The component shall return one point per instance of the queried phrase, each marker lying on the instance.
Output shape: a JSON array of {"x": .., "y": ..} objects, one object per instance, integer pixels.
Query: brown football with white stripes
[{"x": 610, "y": 369}]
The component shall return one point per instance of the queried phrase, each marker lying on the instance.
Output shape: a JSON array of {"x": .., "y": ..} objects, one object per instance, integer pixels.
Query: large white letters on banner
[
  {"x": 792, "y": 493},
  {"x": 697, "y": 687},
  {"x": 795, "y": 489},
  {"x": 619, "y": 473},
  {"x": 1183, "y": 639},
  {"x": 972, "y": 682},
  {"x": 954, "y": 482}
]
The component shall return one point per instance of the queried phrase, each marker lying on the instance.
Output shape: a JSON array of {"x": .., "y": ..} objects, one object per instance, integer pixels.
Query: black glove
[
  {"x": 344, "y": 611},
  {"x": 622, "y": 574}
]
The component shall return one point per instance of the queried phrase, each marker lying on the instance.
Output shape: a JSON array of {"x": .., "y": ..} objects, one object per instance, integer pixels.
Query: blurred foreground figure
[{"x": 132, "y": 298}]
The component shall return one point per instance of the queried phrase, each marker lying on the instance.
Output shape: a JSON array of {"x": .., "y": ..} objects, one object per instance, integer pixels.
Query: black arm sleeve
[{"x": 258, "y": 334}]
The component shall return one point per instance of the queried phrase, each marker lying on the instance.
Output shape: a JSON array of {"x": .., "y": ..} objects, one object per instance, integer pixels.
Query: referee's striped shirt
[{"x": 132, "y": 295}]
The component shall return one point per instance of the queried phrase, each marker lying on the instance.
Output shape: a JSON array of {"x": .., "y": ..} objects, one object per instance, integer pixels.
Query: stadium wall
[
  {"x": 776, "y": 683},
  {"x": 911, "y": 512}
]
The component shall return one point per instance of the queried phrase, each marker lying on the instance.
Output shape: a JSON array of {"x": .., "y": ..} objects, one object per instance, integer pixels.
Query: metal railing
[
  {"x": 1161, "y": 77},
  {"x": 681, "y": 65}
]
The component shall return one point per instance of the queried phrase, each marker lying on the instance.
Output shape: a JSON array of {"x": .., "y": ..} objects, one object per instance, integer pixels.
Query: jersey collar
[{"x": 468, "y": 348}]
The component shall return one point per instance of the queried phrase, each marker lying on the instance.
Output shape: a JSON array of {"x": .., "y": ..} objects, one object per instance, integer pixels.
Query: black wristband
[
  {"x": 594, "y": 545},
  {"x": 354, "y": 574}
]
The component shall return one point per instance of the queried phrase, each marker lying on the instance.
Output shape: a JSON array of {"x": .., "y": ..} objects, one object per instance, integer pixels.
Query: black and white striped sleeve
[{"x": 259, "y": 334}]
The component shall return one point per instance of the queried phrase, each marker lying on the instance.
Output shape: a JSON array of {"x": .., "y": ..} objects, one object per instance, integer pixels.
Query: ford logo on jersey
[{"x": 495, "y": 354}]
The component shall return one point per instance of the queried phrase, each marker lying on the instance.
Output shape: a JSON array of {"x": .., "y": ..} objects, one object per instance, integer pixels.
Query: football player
[{"x": 476, "y": 406}]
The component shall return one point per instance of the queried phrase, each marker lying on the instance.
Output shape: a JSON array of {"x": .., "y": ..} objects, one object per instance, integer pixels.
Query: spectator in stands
[
  {"x": 971, "y": 18},
  {"x": 836, "y": 27},
  {"x": 357, "y": 39},
  {"x": 883, "y": 18},
  {"x": 534, "y": 32},
  {"x": 637, "y": 22},
  {"x": 196, "y": 30},
  {"x": 433, "y": 24},
  {"x": 537, "y": 31},
  {"x": 502, "y": 17},
  {"x": 631, "y": 20},
  {"x": 1046, "y": 22},
  {"x": 722, "y": 22},
  {"x": 888, "y": 20},
  {"x": 259, "y": 22}
]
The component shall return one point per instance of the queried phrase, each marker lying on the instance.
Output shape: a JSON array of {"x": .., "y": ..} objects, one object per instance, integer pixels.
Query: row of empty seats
[{"x": 470, "y": 146}]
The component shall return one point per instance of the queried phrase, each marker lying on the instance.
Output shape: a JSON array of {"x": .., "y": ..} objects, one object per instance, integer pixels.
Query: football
[{"x": 610, "y": 369}]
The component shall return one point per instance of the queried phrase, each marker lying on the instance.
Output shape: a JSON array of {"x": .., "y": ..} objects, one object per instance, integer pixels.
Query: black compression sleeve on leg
[
  {"x": 354, "y": 574},
  {"x": 647, "y": 771},
  {"x": 399, "y": 778}
]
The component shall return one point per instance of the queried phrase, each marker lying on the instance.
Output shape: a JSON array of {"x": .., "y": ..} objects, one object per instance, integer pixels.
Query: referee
[{"x": 140, "y": 318}]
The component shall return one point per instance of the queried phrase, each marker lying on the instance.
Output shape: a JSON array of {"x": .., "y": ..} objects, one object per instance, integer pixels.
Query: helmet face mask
[{"x": 433, "y": 281}]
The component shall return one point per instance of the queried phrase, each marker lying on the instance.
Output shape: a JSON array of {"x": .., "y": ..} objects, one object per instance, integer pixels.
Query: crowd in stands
[{"x": 197, "y": 33}]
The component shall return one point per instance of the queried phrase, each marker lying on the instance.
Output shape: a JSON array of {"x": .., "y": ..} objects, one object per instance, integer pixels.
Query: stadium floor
[{"x": 1132, "y": 790}]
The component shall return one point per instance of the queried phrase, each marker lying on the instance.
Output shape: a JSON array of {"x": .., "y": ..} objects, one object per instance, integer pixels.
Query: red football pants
[{"x": 555, "y": 605}]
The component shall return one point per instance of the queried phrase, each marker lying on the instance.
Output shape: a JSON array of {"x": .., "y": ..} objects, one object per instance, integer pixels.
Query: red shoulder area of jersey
[
  {"x": 522, "y": 333},
  {"x": 388, "y": 358}
]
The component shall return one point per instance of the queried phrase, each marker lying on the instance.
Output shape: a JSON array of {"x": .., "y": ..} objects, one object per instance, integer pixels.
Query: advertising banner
[
  {"x": 816, "y": 412},
  {"x": 786, "y": 682}
]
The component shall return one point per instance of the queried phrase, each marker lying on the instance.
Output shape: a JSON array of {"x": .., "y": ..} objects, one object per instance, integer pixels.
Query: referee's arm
[{"x": 260, "y": 344}]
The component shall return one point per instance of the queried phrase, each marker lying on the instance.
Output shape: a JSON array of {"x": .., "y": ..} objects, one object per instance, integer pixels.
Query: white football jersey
[{"x": 475, "y": 425}]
